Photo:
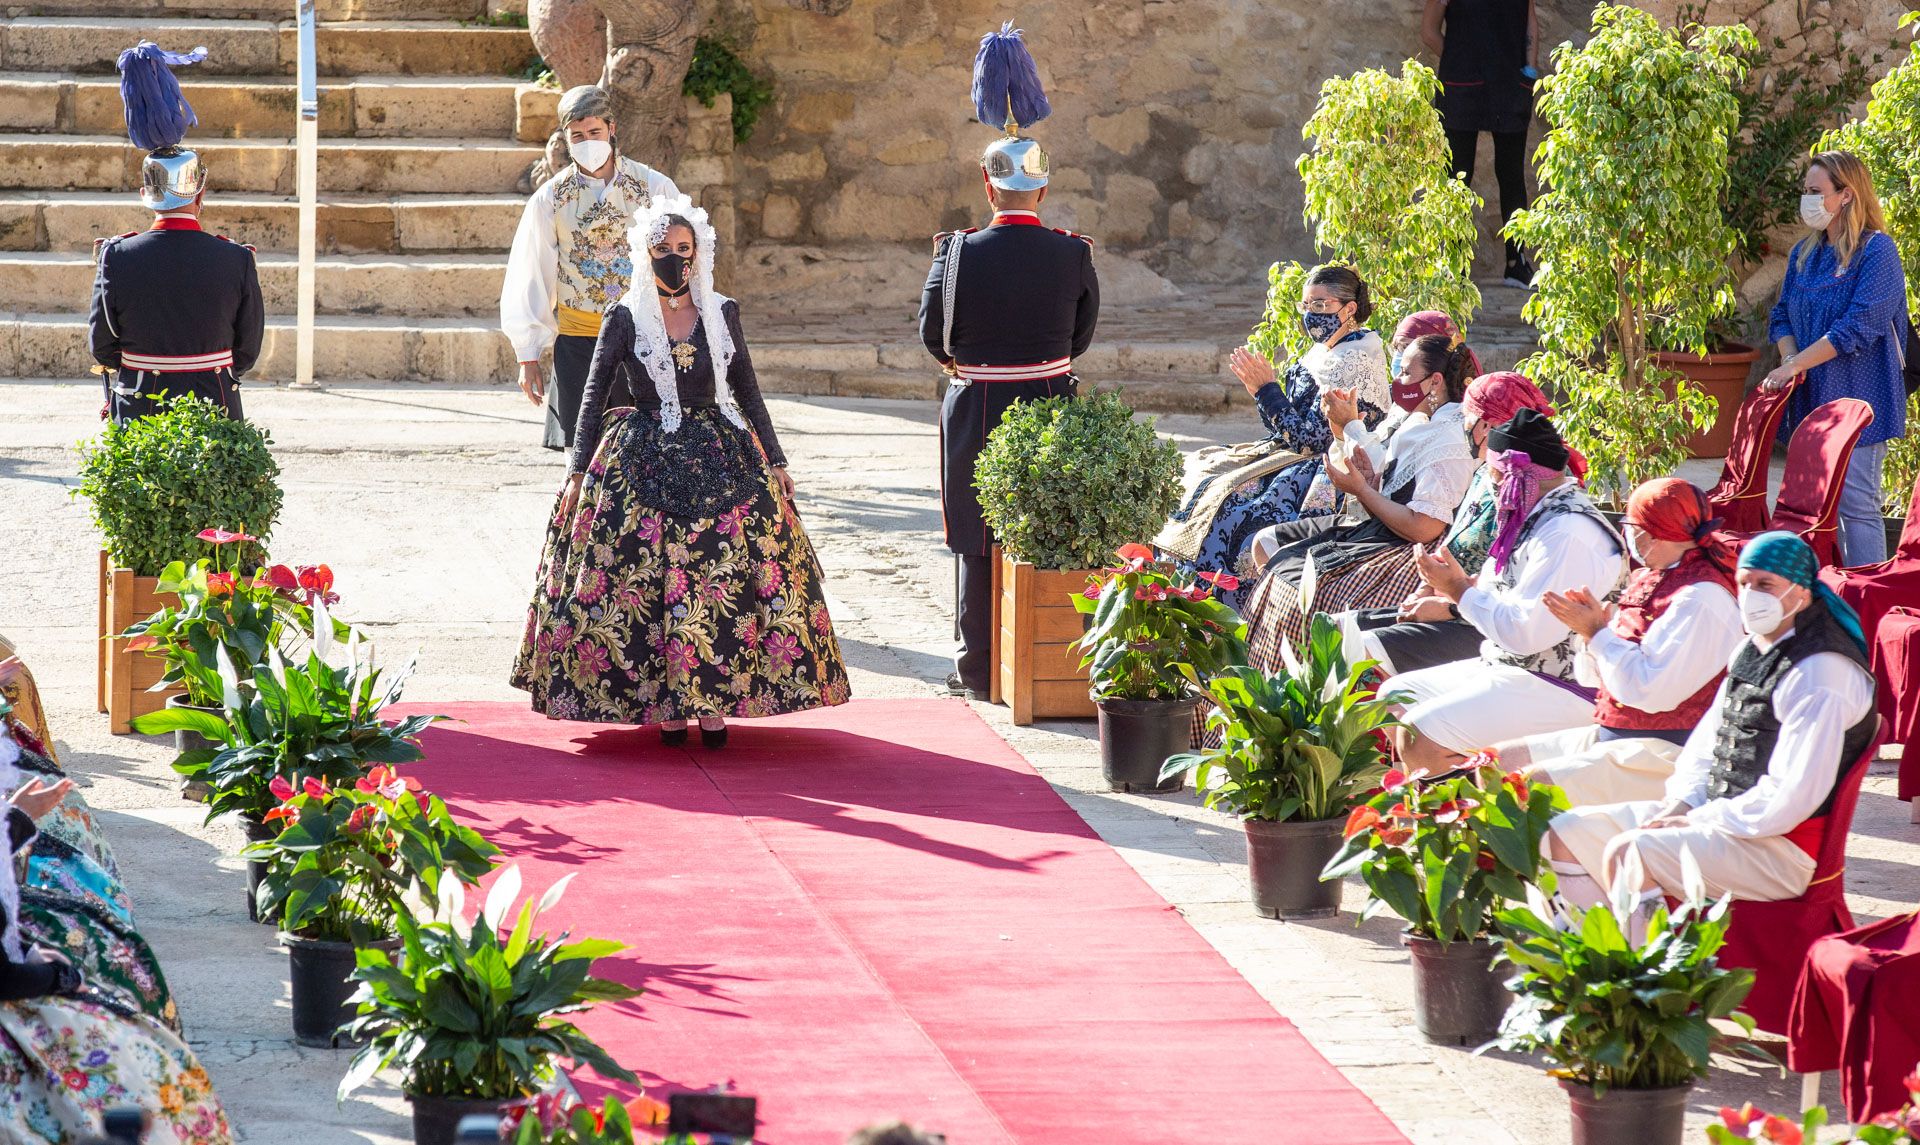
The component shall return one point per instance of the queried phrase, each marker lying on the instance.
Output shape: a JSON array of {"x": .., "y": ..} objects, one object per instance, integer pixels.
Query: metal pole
[{"x": 306, "y": 148}]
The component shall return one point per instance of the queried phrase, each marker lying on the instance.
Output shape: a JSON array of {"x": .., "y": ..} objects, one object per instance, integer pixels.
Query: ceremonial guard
[
  {"x": 1006, "y": 310},
  {"x": 570, "y": 260},
  {"x": 175, "y": 310}
]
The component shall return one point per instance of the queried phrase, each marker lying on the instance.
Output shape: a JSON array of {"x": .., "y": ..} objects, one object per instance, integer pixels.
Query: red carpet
[{"x": 880, "y": 911}]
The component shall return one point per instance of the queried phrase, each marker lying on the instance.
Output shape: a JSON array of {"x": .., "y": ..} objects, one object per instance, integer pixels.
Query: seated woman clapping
[{"x": 1656, "y": 656}]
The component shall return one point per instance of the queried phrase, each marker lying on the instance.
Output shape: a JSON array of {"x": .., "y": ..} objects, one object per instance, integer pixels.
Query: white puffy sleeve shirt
[
  {"x": 1686, "y": 646},
  {"x": 1818, "y": 700},
  {"x": 1565, "y": 552},
  {"x": 529, "y": 295}
]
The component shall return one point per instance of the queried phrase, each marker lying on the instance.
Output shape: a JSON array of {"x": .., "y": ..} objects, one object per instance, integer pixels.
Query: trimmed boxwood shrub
[
  {"x": 155, "y": 482},
  {"x": 1064, "y": 482}
]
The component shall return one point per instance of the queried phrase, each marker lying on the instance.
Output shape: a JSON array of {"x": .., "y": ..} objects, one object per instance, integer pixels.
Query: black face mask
[{"x": 672, "y": 270}]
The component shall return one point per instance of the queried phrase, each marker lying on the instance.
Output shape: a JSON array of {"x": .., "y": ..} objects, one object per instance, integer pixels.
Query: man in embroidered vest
[
  {"x": 1005, "y": 311},
  {"x": 1548, "y": 537},
  {"x": 570, "y": 261},
  {"x": 1756, "y": 780},
  {"x": 175, "y": 310},
  {"x": 1656, "y": 657}
]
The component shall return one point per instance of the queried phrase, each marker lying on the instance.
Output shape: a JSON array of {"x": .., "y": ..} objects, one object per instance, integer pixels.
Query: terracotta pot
[
  {"x": 1628, "y": 1116},
  {"x": 1458, "y": 995},
  {"x": 1284, "y": 861},
  {"x": 437, "y": 1119},
  {"x": 1137, "y": 736},
  {"x": 1723, "y": 375}
]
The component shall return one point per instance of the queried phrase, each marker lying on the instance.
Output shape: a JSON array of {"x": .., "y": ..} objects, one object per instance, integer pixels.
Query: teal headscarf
[{"x": 1785, "y": 555}]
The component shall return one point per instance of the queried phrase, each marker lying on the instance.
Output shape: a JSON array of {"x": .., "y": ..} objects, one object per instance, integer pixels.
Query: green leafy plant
[
  {"x": 345, "y": 856},
  {"x": 1064, "y": 482},
  {"x": 1307, "y": 742},
  {"x": 1885, "y": 141},
  {"x": 296, "y": 721},
  {"x": 1156, "y": 630},
  {"x": 1614, "y": 1013},
  {"x": 1630, "y": 242},
  {"x": 1750, "y": 1124},
  {"x": 539, "y": 74},
  {"x": 717, "y": 68},
  {"x": 506, "y": 18},
  {"x": 1380, "y": 194},
  {"x": 1443, "y": 854},
  {"x": 465, "y": 1013},
  {"x": 154, "y": 483}
]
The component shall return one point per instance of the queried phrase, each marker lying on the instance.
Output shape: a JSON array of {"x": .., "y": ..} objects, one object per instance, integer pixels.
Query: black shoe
[
  {"x": 713, "y": 740},
  {"x": 957, "y": 688},
  {"x": 673, "y": 737},
  {"x": 1519, "y": 271}
]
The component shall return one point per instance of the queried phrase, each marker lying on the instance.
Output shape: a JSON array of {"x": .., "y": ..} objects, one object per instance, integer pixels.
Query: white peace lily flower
[
  {"x": 501, "y": 896},
  {"x": 1691, "y": 878},
  {"x": 552, "y": 898}
]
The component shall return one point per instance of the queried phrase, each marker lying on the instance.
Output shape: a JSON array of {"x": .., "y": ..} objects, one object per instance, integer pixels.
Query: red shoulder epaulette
[
  {"x": 250, "y": 247},
  {"x": 100, "y": 244},
  {"x": 1072, "y": 235},
  {"x": 943, "y": 236}
]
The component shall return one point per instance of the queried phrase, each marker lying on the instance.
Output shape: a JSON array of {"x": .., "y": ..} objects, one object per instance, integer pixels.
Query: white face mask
[
  {"x": 1761, "y": 613},
  {"x": 590, "y": 154},
  {"x": 1639, "y": 542},
  {"x": 1814, "y": 213}
]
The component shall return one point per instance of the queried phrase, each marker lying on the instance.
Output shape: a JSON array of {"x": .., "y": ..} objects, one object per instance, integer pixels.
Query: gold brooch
[{"x": 683, "y": 355}]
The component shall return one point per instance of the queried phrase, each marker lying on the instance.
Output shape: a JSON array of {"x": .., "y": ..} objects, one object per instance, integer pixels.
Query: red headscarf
[
  {"x": 1671, "y": 509},
  {"x": 1495, "y": 398},
  {"x": 1423, "y": 322}
]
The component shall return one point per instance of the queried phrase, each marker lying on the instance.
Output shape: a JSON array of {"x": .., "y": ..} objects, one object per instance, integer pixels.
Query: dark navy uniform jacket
[
  {"x": 1025, "y": 294},
  {"x": 173, "y": 292}
]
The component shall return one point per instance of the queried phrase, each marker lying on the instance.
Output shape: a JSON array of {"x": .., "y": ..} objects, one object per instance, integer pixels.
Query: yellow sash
[{"x": 579, "y": 323}]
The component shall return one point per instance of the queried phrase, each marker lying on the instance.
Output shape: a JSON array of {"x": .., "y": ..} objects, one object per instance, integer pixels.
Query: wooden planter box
[
  {"x": 1036, "y": 670},
  {"x": 125, "y": 675}
]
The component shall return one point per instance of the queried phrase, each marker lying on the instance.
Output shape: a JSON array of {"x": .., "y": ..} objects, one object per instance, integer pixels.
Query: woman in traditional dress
[
  {"x": 677, "y": 582},
  {"x": 69, "y": 1051},
  {"x": 1346, "y": 358}
]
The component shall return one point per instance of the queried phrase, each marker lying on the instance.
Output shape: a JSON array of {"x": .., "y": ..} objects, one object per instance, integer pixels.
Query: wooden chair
[
  {"x": 1772, "y": 938},
  {"x": 1740, "y": 499},
  {"x": 1817, "y": 454}
]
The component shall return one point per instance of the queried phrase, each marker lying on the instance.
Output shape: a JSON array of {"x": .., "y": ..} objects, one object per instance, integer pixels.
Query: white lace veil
[
  {"x": 9, "y": 884},
  {"x": 650, "y": 343}
]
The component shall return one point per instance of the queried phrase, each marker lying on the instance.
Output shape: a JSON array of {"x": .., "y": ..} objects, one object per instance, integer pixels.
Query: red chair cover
[
  {"x": 1740, "y": 499},
  {"x": 1857, "y": 1010},
  {"x": 1772, "y": 938},
  {"x": 1897, "y": 672},
  {"x": 1817, "y": 455}
]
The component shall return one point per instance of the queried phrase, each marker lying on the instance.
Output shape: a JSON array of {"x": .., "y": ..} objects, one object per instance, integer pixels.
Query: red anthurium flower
[
  {"x": 282, "y": 790},
  {"x": 222, "y": 537},
  {"x": 1448, "y": 812},
  {"x": 1402, "y": 811},
  {"x": 1521, "y": 788},
  {"x": 314, "y": 786},
  {"x": 1134, "y": 552},
  {"x": 361, "y": 819},
  {"x": 1141, "y": 593},
  {"x": 220, "y": 584},
  {"x": 1092, "y": 591},
  {"x": 1484, "y": 860},
  {"x": 281, "y": 812},
  {"x": 1739, "y": 1118},
  {"x": 280, "y": 577},
  {"x": 1225, "y": 581},
  {"x": 1913, "y": 1083},
  {"x": 1363, "y": 818},
  {"x": 1781, "y": 1131},
  {"x": 316, "y": 578},
  {"x": 1395, "y": 836},
  {"x": 1394, "y": 779}
]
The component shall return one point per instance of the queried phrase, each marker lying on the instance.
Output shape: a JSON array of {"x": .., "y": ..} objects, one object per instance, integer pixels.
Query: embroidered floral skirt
[{"x": 684, "y": 586}]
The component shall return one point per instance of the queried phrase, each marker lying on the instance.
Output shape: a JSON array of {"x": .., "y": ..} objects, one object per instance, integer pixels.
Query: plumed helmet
[
  {"x": 170, "y": 178},
  {"x": 585, "y": 102},
  {"x": 1015, "y": 164}
]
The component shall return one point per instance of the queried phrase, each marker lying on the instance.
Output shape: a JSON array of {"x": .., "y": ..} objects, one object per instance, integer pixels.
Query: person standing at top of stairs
[
  {"x": 175, "y": 310},
  {"x": 570, "y": 258}
]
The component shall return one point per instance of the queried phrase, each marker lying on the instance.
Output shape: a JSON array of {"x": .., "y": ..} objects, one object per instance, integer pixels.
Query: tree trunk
[
  {"x": 649, "y": 45},
  {"x": 571, "y": 36}
]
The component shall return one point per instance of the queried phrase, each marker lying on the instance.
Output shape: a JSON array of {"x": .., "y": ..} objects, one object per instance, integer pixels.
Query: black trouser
[
  {"x": 572, "y": 356},
  {"x": 150, "y": 392},
  {"x": 975, "y": 661},
  {"x": 1509, "y": 168},
  {"x": 1411, "y": 645}
]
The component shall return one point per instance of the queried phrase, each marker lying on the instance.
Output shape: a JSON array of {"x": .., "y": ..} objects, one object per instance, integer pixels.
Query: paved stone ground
[{"x": 429, "y": 503}]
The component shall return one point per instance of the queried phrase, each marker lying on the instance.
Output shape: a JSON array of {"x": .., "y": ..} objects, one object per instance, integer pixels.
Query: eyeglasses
[{"x": 1320, "y": 305}]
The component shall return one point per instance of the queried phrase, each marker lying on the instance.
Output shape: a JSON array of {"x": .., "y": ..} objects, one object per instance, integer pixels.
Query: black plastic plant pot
[
  {"x": 1628, "y": 1116},
  {"x": 184, "y": 741},
  {"x": 1458, "y": 995},
  {"x": 1284, "y": 861},
  {"x": 319, "y": 970},
  {"x": 1137, "y": 736},
  {"x": 256, "y": 868},
  {"x": 437, "y": 1119}
]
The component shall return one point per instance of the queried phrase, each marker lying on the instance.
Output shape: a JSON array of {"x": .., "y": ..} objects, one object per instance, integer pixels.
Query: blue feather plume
[
  {"x": 158, "y": 115},
  {"x": 1006, "y": 81}
]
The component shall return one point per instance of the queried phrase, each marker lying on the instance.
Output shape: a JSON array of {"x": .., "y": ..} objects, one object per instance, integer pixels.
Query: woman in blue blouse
[{"x": 1842, "y": 321}]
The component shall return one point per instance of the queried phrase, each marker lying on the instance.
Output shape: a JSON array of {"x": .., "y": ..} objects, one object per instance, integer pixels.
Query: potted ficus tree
[
  {"x": 1443, "y": 854},
  {"x": 337, "y": 871},
  {"x": 1298, "y": 750},
  {"x": 1631, "y": 245},
  {"x": 1626, "y": 1023},
  {"x": 471, "y": 1019},
  {"x": 1063, "y": 483},
  {"x": 1156, "y": 632},
  {"x": 154, "y": 484}
]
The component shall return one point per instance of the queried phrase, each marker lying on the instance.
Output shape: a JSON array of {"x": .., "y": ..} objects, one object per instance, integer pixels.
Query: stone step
[
  {"x": 345, "y": 223},
  {"x": 109, "y": 163},
  {"x": 443, "y": 285},
  {"x": 437, "y": 107},
  {"x": 262, "y": 47},
  {"x": 151, "y": 10}
]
